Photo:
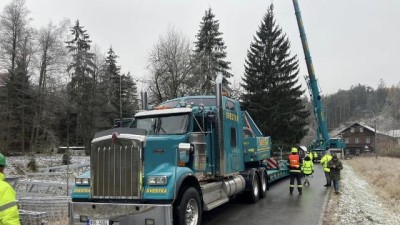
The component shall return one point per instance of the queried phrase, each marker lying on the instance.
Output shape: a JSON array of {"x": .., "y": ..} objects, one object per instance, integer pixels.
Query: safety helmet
[
  {"x": 294, "y": 150},
  {"x": 2, "y": 160}
]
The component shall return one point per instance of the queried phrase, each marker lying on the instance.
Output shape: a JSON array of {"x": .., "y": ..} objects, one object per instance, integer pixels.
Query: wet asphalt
[{"x": 278, "y": 207}]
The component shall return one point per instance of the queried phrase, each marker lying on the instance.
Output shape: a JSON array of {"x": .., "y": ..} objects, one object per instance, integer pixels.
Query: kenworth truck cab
[{"x": 179, "y": 160}]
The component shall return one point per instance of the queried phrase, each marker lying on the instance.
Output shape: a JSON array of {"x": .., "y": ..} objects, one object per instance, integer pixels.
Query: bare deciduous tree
[
  {"x": 171, "y": 64},
  {"x": 52, "y": 62}
]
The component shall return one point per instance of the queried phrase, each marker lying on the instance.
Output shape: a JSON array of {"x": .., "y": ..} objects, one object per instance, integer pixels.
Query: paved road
[{"x": 277, "y": 208}]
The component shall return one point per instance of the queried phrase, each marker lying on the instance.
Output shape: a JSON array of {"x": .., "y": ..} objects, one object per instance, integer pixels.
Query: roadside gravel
[{"x": 357, "y": 203}]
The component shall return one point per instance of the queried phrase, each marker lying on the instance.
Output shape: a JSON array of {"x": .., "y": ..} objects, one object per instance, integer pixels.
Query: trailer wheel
[
  {"x": 255, "y": 190},
  {"x": 263, "y": 184},
  {"x": 189, "y": 210}
]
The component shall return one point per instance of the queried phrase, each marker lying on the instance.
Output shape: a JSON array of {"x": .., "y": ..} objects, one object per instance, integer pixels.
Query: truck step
[{"x": 215, "y": 204}]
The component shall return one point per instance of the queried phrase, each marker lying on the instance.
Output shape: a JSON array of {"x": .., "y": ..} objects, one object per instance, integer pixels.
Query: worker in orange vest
[
  {"x": 8, "y": 205},
  {"x": 295, "y": 163}
]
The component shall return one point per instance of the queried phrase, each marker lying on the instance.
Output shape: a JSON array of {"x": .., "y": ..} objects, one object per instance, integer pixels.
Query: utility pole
[
  {"x": 375, "y": 144},
  {"x": 375, "y": 139},
  {"x": 120, "y": 99}
]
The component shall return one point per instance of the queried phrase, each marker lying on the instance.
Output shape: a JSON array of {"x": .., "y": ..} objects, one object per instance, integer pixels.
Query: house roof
[
  {"x": 365, "y": 126},
  {"x": 393, "y": 133}
]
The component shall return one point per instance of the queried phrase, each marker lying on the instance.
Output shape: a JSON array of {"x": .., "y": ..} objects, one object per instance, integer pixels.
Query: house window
[
  {"x": 356, "y": 140},
  {"x": 352, "y": 130},
  {"x": 367, "y": 140},
  {"x": 361, "y": 129},
  {"x": 346, "y": 140}
]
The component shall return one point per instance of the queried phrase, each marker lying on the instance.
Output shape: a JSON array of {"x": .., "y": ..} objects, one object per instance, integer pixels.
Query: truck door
[{"x": 232, "y": 139}]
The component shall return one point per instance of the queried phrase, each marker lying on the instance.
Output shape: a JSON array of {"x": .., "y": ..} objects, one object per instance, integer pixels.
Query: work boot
[
  {"x": 327, "y": 185},
  {"x": 300, "y": 191}
]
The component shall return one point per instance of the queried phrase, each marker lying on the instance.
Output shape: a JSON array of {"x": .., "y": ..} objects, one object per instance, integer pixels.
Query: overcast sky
[{"x": 351, "y": 41}]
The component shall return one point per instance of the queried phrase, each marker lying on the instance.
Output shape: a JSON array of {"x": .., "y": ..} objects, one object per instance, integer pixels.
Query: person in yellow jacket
[
  {"x": 315, "y": 157},
  {"x": 8, "y": 205},
  {"x": 307, "y": 169},
  {"x": 324, "y": 162},
  {"x": 311, "y": 155}
]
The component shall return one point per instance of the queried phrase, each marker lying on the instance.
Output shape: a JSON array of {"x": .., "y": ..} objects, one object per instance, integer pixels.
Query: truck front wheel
[{"x": 188, "y": 210}]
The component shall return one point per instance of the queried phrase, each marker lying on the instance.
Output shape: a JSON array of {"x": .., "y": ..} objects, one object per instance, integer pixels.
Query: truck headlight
[
  {"x": 82, "y": 181},
  {"x": 157, "y": 180}
]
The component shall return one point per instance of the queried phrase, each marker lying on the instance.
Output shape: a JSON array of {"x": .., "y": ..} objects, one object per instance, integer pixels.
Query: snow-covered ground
[
  {"x": 17, "y": 165},
  {"x": 357, "y": 203},
  {"x": 17, "y": 168}
]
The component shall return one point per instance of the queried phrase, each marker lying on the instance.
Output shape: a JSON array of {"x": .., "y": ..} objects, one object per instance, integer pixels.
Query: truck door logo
[{"x": 159, "y": 151}]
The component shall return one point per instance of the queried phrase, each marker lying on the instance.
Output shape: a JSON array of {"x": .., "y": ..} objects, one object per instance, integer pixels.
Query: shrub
[
  {"x": 66, "y": 159},
  {"x": 32, "y": 165}
]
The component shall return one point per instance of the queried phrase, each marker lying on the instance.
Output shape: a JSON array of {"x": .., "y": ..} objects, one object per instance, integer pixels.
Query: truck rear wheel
[
  {"x": 255, "y": 190},
  {"x": 189, "y": 210},
  {"x": 263, "y": 184}
]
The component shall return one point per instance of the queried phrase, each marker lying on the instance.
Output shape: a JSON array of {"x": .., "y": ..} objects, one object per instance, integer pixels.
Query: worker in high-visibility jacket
[
  {"x": 311, "y": 155},
  {"x": 324, "y": 162},
  {"x": 8, "y": 205},
  {"x": 295, "y": 162},
  {"x": 307, "y": 169},
  {"x": 315, "y": 157}
]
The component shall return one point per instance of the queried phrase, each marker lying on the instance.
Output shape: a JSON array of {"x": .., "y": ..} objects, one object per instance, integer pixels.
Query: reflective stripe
[
  {"x": 7, "y": 206},
  {"x": 295, "y": 171}
]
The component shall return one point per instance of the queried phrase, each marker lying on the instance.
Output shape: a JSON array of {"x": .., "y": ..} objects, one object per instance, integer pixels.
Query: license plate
[{"x": 99, "y": 222}]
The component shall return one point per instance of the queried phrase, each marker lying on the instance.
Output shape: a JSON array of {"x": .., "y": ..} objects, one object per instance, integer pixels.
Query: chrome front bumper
[{"x": 120, "y": 214}]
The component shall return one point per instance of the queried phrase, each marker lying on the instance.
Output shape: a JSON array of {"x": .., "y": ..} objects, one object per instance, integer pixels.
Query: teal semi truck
[{"x": 188, "y": 155}]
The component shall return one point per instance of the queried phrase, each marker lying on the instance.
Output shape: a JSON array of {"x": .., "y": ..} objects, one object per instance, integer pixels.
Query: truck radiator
[{"x": 115, "y": 169}]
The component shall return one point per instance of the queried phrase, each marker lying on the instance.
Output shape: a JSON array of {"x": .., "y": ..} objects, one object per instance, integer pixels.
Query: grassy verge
[{"x": 383, "y": 175}]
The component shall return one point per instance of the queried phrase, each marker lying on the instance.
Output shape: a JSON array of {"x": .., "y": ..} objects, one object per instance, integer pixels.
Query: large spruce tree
[
  {"x": 210, "y": 51},
  {"x": 117, "y": 90},
  {"x": 81, "y": 89},
  {"x": 272, "y": 92}
]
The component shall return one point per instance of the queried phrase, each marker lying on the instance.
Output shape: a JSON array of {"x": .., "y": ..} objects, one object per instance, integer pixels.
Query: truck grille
[{"x": 115, "y": 169}]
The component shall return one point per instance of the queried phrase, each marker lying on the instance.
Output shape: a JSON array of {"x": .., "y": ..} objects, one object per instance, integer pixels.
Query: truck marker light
[{"x": 181, "y": 163}]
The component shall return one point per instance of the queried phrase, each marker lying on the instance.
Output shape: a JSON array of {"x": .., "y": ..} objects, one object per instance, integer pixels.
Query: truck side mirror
[{"x": 184, "y": 151}]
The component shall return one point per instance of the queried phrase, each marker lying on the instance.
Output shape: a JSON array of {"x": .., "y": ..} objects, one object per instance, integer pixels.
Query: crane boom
[{"x": 323, "y": 140}]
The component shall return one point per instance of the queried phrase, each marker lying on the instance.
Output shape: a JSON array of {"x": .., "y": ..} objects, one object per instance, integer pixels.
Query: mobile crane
[{"x": 323, "y": 140}]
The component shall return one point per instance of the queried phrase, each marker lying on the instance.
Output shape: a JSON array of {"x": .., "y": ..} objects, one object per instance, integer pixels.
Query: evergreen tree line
[
  {"x": 61, "y": 93},
  {"x": 56, "y": 92},
  {"x": 362, "y": 103}
]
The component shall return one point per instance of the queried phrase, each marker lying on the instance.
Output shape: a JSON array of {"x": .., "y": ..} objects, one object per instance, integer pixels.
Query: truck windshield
[{"x": 163, "y": 124}]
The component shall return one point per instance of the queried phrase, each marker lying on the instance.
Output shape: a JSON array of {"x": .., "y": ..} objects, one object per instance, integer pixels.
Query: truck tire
[
  {"x": 255, "y": 189},
  {"x": 263, "y": 183},
  {"x": 189, "y": 210}
]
